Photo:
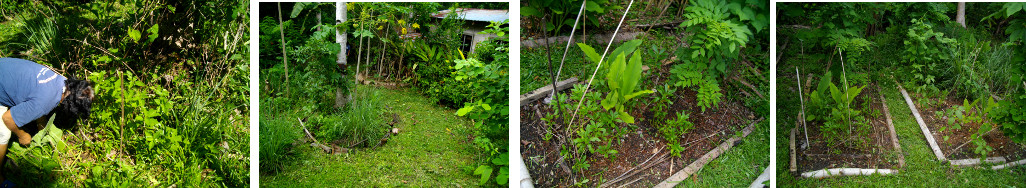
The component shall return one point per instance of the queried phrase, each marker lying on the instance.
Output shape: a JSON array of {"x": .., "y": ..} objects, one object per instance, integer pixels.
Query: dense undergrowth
[
  {"x": 938, "y": 58},
  {"x": 920, "y": 46},
  {"x": 726, "y": 41},
  {"x": 172, "y": 92},
  {"x": 392, "y": 45}
]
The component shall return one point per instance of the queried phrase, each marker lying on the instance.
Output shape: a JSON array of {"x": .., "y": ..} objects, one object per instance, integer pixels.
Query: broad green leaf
[
  {"x": 502, "y": 159},
  {"x": 616, "y": 70},
  {"x": 590, "y": 52},
  {"x": 635, "y": 94},
  {"x": 632, "y": 74},
  {"x": 1012, "y": 8},
  {"x": 610, "y": 101},
  {"x": 591, "y": 6},
  {"x": 485, "y": 172},
  {"x": 529, "y": 11},
  {"x": 134, "y": 35},
  {"x": 463, "y": 111},
  {"x": 299, "y": 7},
  {"x": 627, "y": 118},
  {"x": 629, "y": 46},
  {"x": 154, "y": 31},
  {"x": 503, "y": 176}
]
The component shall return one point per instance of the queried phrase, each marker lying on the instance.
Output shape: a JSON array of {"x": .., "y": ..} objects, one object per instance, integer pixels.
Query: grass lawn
[
  {"x": 740, "y": 165},
  {"x": 922, "y": 169},
  {"x": 435, "y": 151}
]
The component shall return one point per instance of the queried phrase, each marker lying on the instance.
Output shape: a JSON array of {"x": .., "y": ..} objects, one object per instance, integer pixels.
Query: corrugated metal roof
[{"x": 473, "y": 14}]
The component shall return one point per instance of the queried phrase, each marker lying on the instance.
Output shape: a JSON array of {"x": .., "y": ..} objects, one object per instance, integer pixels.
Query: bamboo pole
[
  {"x": 283, "y": 53},
  {"x": 805, "y": 128}
]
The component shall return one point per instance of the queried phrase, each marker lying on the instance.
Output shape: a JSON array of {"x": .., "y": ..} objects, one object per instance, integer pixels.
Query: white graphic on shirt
[{"x": 41, "y": 73}]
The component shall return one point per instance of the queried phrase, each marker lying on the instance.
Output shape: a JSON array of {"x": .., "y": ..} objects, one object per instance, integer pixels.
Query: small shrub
[
  {"x": 709, "y": 95},
  {"x": 673, "y": 129},
  {"x": 925, "y": 49}
]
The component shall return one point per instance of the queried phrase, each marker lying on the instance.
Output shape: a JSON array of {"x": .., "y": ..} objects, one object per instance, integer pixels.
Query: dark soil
[
  {"x": 958, "y": 145},
  {"x": 642, "y": 143},
  {"x": 877, "y": 152}
]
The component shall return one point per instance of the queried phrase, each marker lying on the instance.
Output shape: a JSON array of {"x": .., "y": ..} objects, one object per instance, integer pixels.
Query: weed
[{"x": 672, "y": 130}]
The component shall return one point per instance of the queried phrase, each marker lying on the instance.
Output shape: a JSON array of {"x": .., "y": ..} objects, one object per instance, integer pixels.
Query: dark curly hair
[{"x": 76, "y": 105}]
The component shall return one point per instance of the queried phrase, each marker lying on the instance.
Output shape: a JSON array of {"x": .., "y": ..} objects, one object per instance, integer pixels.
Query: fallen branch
[
  {"x": 315, "y": 143},
  {"x": 619, "y": 178},
  {"x": 743, "y": 82},
  {"x": 547, "y": 90}
]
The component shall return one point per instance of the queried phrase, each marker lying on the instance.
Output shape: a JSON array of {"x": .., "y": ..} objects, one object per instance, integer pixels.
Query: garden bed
[
  {"x": 880, "y": 152},
  {"x": 643, "y": 157},
  {"x": 957, "y": 148}
]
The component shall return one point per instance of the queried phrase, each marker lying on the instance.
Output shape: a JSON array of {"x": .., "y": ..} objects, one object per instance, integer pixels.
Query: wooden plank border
[{"x": 696, "y": 166}]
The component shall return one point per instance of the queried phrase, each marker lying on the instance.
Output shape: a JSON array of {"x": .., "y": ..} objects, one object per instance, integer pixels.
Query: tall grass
[
  {"x": 362, "y": 122},
  {"x": 276, "y": 138}
]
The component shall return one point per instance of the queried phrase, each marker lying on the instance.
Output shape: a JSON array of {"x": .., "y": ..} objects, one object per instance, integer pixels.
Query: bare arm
[{"x": 23, "y": 137}]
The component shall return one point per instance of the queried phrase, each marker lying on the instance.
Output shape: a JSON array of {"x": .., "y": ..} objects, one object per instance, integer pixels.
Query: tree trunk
[
  {"x": 340, "y": 38},
  {"x": 960, "y": 18}
]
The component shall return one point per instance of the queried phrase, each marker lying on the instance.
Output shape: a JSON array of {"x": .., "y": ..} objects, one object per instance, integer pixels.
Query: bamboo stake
[
  {"x": 694, "y": 167},
  {"x": 600, "y": 61},
  {"x": 548, "y": 52},
  {"x": 359, "y": 53},
  {"x": 281, "y": 30},
  {"x": 805, "y": 128},
  {"x": 122, "y": 122},
  {"x": 844, "y": 76},
  {"x": 568, "y": 41}
]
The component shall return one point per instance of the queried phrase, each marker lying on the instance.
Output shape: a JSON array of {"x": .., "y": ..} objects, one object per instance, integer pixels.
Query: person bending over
[{"x": 32, "y": 92}]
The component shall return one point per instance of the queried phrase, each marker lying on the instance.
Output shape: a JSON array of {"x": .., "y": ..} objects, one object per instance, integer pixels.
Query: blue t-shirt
[{"x": 30, "y": 90}]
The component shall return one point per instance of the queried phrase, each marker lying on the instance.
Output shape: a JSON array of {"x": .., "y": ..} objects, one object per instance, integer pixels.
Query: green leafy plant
[
  {"x": 709, "y": 95},
  {"x": 622, "y": 77},
  {"x": 672, "y": 131},
  {"x": 925, "y": 49},
  {"x": 594, "y": 137},
  {"x": 689, "y": 73},
  {"x": 717, "y": 37},
  {"x": 833, "y": 106},
  {"x": 662, "y": 100},
  {"x": 562, "y": 13},
  {"x": 1010, "y": 116}
]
